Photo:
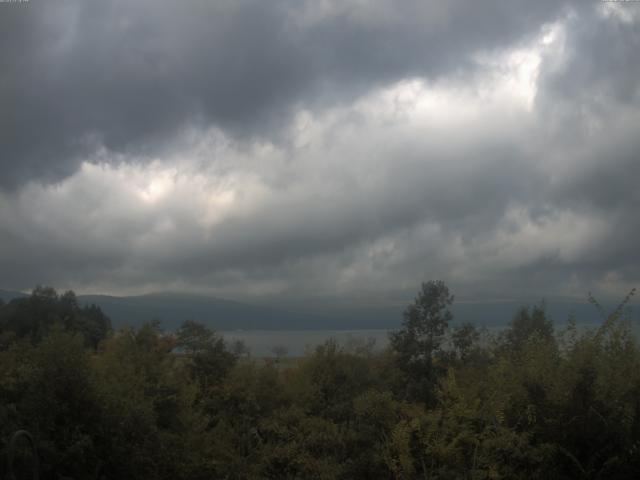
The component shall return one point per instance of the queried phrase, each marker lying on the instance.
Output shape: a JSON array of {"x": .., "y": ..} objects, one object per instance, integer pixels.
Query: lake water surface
[{"x": 295, "y": 343}]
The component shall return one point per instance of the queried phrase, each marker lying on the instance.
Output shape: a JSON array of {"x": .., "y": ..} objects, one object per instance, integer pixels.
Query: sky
[{"x": 320, "y": 148}]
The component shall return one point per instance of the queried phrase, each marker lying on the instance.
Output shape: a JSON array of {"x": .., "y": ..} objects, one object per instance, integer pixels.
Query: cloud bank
[{"x": 300, "y": 149}]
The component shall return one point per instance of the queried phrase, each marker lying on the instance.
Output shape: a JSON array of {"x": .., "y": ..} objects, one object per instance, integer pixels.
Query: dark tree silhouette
[{"x": 420, "y": 339}]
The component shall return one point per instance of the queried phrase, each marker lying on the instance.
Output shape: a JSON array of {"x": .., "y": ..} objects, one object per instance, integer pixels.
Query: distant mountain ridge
[
  {"x": 7, "y": 295},
  {"x": 171, "y": 309}
]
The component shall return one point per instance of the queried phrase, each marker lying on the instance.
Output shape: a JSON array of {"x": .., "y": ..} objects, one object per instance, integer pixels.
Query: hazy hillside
[
  {"x": 172, "y": 309},
  {"x": 6, "y": 295}
]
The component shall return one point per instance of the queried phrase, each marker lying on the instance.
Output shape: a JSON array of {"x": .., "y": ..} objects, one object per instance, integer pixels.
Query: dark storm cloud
[
  {"x": 127, "y": 76},
  {"x": 593, "y": 103},
  {"x": 343, "y": 149}
]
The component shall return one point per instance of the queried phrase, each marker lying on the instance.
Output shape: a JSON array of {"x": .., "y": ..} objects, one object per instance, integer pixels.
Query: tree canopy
[
  {"x": 419, "y": 341},
  {"x": 534, "y": 401},
  {"x": 34, "y": 316}
]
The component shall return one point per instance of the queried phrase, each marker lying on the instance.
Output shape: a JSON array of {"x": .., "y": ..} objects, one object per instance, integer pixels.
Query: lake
[
  {"x": 295, "y": 343},
  {"x": 261, "y": 343}
]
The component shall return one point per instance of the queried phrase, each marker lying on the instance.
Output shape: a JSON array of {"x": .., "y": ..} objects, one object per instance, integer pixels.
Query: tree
[
  {"x": 526, "y": 324},
  {"x": 33, "y": 317},
  {"x": 464, "y": 338},
  {"x": 59, "y": 404},
  {"x": 210, "y": 360},
  {"x": 420, "y": 339},
  {"x": 194, "y": 337}
]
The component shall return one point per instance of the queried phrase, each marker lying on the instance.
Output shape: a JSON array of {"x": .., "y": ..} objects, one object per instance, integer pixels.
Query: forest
[{"x": 442, "y": 401}]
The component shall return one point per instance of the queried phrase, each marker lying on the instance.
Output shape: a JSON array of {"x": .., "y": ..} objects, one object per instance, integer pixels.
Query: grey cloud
[
  {"x": 130, "y": 75},
  {"x": 592, "y": 104},
  {"x": 600, "y": 70},
  {"x": 529, "y": 205},
  {"x": 81, "y": 235}
]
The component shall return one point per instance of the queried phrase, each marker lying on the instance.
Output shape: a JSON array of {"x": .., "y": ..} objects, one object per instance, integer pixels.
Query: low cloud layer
[{"x": 301, "y": 149}]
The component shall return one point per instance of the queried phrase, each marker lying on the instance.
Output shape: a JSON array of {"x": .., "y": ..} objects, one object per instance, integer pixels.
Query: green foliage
[
  {"x": 33, "y": 317},
  {"x": 334, "y": 377},
  {"x": 465, "y": 339},
  {"x": 46, "y": 389},
  {"x": 526, "y": 324},
  {"x": 535, "y": 403},
  {"x": 209, "y": 359},
  {"x": 420, "y": 339},
  {"x": 146, "y": 405}
]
